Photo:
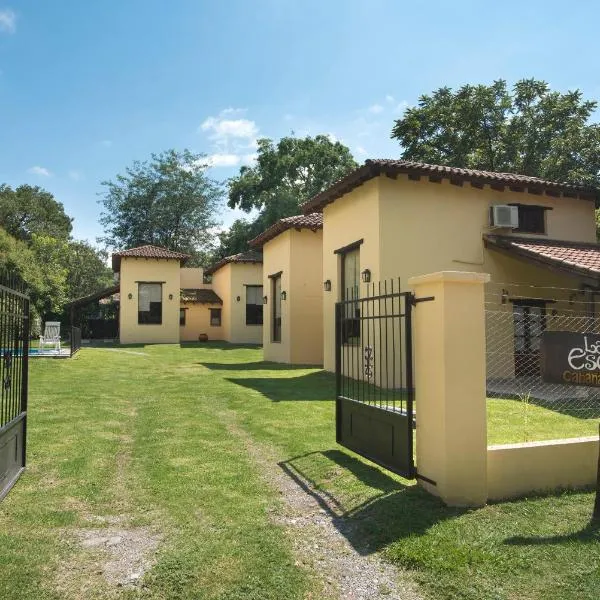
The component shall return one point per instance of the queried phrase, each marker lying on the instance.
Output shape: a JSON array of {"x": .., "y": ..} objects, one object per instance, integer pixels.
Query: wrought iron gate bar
[
  {"x": 375, "y": 395},
  {"x": 14, "y": 351}
]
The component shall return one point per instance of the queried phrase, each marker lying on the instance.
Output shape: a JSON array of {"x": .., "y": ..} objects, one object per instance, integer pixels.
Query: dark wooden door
[{"x": 529, "y": 318}]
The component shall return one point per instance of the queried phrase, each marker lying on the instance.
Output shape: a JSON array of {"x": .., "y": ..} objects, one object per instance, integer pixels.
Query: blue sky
[{"x": 88, "y": 87}]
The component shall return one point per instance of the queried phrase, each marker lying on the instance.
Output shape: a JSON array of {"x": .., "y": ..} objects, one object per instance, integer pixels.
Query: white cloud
[
  {"x": 376, "y": 109},
  {"x": 361, "y": 151},
  {"x": 106, "y": 143},
  {"x": 234, "y": 138},
  {"x": 222, "y": 128},
  {"x": 220, "y": 160},
  {"x": 75, "y": 175},
  {"x": 41, "y": 171},
  {"x": 390, "y": 99},
  {"x": 8, "y": 20}
]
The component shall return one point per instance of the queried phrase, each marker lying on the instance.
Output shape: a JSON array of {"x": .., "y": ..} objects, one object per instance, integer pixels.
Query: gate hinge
[{"x": 415, "y": 301}]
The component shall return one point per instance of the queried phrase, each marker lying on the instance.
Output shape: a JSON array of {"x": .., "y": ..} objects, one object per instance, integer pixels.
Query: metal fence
[
  {"x": 517, "y": 316},
  {"x": 75, "y": 340},
  {"x": 14, "y": 349}
]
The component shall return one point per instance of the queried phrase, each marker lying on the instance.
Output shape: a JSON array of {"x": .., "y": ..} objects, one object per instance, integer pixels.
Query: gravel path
[{"x": 317, "y": 529}]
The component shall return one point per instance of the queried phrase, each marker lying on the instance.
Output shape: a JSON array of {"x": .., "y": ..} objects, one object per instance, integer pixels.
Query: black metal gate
[
  {"x": 14, "y": 356},
  {"x": 374, "y": 376}
]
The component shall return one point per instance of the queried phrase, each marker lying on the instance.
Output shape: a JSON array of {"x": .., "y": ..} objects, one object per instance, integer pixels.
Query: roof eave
[{"x": 589, "y": 276}]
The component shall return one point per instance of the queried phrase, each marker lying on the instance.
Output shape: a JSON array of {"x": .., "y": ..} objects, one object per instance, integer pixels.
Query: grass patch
[{"x": 144, "y": 436}]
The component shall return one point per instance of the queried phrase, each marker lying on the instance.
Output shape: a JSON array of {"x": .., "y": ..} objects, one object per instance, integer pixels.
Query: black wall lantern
[
  {"x": 327, "y": 285},
  {"x": 284, "y": 295},
  {"x": 130, "y": 295},
  {"x": 238, "y": 298},
  {"x": 366, "y": 276},
  {"x": 264, "y": 299},
  {"x": 170, "y": 296}
]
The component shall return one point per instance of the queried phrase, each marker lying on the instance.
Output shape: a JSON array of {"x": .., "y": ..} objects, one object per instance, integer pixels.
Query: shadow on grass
[
  {"x": 396, "y": 511},
  {"x": 218, "y": 345},
  {"x": 255, "y": 366},
  {"x": 589, "y": 534},
  {"x": 318, "y": 386}
]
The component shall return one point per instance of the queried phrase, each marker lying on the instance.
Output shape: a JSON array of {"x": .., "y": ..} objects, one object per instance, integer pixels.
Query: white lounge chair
[{"x": 51, "y": 336}]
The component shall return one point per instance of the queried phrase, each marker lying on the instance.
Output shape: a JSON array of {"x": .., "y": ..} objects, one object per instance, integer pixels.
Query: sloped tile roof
[
  {"x": 312, "y": 221},
  {"x": 200, "y": 296},
  {"x": 146, "y": 252},
  {"x": 251, "y": 256},
  {"x": 578, "y": 258},
  {"x": 375, "y": 167}
]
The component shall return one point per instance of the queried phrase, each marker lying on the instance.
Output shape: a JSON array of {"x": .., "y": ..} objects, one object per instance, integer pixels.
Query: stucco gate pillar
[{"x": 449, "y": 365}]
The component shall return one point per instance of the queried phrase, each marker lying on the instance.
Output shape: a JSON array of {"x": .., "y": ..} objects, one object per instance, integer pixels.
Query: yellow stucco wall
[
  {"x": 197, "y": 321},
  {"x": 427, "y": 227},
  {"x": 347, "y": 220},
  {"x": 517, "y": 469},
  {"x": 134, "y": 270},
  {"x": 221, "y": 284},
  {"x": 411, "y": 228},
  {"x": 299, "y": 256},
  {"x": 192, "y": 278},
  {"x": 306, "y": 297},
  {"x": 229, "y": 282},
  {"x": 276, "y": 258}
]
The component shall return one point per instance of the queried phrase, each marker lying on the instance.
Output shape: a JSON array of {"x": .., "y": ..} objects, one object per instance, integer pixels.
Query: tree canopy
[
  {"x": 286, "y": 174},
  {"x": 167, "y": 201},
  {"x": 529, "y": 130},
  {"x": 29, "y": 210}
]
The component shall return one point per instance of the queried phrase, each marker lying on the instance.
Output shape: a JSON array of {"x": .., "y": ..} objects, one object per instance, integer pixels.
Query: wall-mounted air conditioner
[{"x": 504, "y": 215}]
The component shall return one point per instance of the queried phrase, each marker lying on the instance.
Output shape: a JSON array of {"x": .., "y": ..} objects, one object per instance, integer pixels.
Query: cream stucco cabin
[
  {"x": 163, "y": 302},
  {"x": 400, "y": 219},
  {"x": 238, "y": 280},
  {"x": 292, "y": 280}
]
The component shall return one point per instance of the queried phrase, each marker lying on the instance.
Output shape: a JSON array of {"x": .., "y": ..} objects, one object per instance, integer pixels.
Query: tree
[
  {"x": 530, "y": 130},
  {"x": 167, "y": 201},
  {"x": 287, "y": 174},
  {"x": 29, "y": 210},
  {"x": 235, "y": 239},
  {"x": 87, "y": 271}
]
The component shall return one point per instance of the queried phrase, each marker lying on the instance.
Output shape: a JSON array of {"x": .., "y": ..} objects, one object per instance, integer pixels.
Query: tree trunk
[{"x": 596, "y": 513}]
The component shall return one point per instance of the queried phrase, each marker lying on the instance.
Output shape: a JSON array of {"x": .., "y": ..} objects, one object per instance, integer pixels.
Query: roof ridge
[{"x": 393, "y": 167}]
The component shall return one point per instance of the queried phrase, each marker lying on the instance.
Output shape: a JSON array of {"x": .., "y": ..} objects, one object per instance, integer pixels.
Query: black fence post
[
  {"x": 25, "y": 374},
  {"x": 338, "y": 370}
]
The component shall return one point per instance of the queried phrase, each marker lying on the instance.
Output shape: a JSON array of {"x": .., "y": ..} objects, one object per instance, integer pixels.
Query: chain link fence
[{"x": 516, "y": 317}]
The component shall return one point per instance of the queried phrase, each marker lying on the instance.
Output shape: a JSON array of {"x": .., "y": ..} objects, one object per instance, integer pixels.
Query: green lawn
[{"x": 144, "y": 438}]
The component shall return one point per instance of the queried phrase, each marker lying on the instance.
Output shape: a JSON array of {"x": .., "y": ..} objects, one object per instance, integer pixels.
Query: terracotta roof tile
[
  {"x": 146, "y": 252},
  {"x": 576, "y": 257},
  {"x": 375, "y": 167},
  {"x": 251, "y": 256},
  {"x": 312, "y": 221}
]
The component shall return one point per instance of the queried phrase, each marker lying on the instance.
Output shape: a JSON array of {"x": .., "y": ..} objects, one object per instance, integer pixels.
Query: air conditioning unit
[{"x": 504, "y": 215}]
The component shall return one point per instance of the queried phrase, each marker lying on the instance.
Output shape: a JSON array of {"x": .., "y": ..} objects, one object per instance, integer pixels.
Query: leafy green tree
[
  {"x": 235, "y": 239},
  {"x": 285, "y": 175},
  {"x": 288, "y": 173},
  {"x": 87, "y": 271},
  {"x": 29, "y": 210},
  {"x": 529, "y": 130},
  {"x": 166, "y": 201}
]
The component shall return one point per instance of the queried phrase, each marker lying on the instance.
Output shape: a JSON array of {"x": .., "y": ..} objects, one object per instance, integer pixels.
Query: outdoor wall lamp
[
  {"x": 238, "y": 299},
  {"x": 327, "y": 285},
  {"x": 170, "y": 296},
  {"x": 130, "y": 296},
  {"x": 284, "y": 295},
  {"x": 264, "y": 299},
  {"x": 366, "y": 276}
]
